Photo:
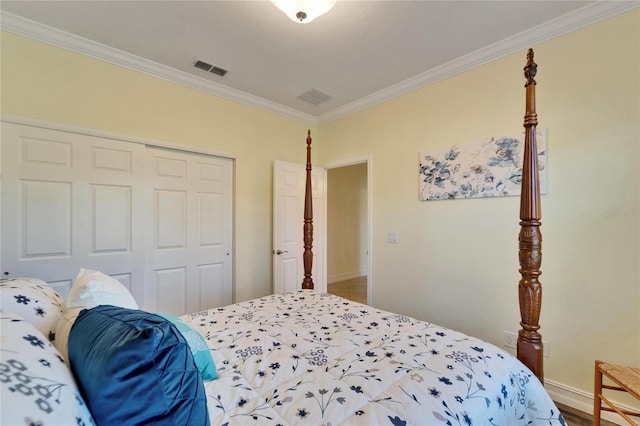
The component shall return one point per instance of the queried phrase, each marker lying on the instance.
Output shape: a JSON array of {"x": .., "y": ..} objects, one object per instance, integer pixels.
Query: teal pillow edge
[{"x": 204, "y": 361}]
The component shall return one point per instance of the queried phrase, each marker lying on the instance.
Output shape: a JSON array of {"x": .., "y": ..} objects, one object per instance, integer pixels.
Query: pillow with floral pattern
[
  {"x": 36, "y": 386},
  {"x": 35, "y": 301}
]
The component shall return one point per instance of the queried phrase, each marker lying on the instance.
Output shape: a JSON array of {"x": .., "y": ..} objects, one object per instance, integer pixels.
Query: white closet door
[
  {"x": 71, "y": 201},
  {"x": 189, "y": 228}
]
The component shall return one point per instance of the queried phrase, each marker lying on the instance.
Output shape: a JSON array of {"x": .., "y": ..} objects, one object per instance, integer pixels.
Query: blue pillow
[
  {"x": 197, "y": 344},
  {"x": 135, "y": 368}
]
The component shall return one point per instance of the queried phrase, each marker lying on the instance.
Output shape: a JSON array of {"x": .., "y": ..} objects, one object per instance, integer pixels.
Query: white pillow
[
  {"x": 65, "y": 323},
  {"x": 93, "y": 288},
  {"x": 36, "y": 387},
  {"x": 33, "y": 300}
]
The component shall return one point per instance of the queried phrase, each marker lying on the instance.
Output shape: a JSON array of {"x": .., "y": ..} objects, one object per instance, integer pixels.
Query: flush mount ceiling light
[{"x": 304, "y": 11}]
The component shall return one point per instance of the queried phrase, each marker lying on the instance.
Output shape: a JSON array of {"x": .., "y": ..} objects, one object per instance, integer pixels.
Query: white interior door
[
  {"x": 69, "y": 201},
  {"x": 189, "y": 226},
  {"x": 289, "y": 180}
]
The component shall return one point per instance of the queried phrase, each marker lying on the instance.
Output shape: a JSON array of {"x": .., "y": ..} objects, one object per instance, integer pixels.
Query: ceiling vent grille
[
  {"x": 200, "y": 64},
  {"x": 314, "y": 96}
]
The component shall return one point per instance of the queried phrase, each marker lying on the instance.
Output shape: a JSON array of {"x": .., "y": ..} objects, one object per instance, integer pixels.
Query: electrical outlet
[{"x": 510, "y": 339}]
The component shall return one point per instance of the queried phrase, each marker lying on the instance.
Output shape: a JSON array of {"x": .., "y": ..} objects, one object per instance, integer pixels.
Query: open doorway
[{"x": 348, "y": 231}]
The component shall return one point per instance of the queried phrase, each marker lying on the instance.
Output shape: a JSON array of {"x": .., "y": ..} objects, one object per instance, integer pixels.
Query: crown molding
[
  {"x": 46, "y": 34},
  {"x": 587, "y": 15}
]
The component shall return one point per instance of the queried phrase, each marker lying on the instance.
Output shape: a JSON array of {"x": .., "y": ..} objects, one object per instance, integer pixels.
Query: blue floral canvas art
[{"x": 489, "y": 168}]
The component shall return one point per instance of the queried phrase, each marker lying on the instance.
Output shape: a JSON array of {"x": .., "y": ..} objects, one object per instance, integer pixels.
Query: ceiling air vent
[
  {"x": 209, "y": 68},
  {"x": 314, "y": 96}
]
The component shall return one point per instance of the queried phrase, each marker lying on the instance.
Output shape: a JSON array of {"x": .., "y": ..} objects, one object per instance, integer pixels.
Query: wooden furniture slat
[{"x": 627, "y": 380}]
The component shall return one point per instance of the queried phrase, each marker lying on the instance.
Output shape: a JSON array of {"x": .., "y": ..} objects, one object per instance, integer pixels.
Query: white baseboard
[
  {"x": 348, "y": 276},
  {"x": 580, "y": 400}
]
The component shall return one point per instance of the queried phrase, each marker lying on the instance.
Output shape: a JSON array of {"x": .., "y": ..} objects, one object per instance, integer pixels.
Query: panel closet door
[
  {"x": 71, "y": 201},
  {"x": 189, "y": 229}
]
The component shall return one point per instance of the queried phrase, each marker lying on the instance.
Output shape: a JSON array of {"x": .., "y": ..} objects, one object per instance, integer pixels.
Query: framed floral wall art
[{"x": 488, "y": 168}]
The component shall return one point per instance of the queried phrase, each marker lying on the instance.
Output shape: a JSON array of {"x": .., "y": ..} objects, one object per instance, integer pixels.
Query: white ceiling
[{"x": 360, "y": 53}]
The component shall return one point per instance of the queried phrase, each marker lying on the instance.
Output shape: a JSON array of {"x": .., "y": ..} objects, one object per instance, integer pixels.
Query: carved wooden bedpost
[
  {"x": 307, "y": 281},
  {"x": 530, "y": 350}
]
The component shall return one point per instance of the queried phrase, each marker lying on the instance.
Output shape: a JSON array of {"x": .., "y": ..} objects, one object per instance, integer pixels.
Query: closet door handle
[{"x": 279, "y": 252}]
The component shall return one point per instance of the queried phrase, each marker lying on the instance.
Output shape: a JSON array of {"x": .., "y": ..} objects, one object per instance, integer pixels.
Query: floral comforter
[{"x": 317, "y": 359}]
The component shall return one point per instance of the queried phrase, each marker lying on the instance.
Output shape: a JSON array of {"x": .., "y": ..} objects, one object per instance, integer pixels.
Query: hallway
[{"x": 354, "y": 289}]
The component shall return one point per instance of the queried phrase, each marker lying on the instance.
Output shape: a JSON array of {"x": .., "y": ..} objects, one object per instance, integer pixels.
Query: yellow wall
[
  {"x": 47, "y": 83},
  {"x": 456, "y": 261}
]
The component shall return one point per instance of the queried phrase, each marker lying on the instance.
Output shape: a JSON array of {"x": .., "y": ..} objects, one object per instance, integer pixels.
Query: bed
[{"x": 297, "y": 358}]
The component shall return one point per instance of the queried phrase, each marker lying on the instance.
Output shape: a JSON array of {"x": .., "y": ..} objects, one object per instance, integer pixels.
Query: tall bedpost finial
[
  {"x": 530, "y": 69},
  {"x": 307, "y": 257},
  {"x": 529, "y": 347}
]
